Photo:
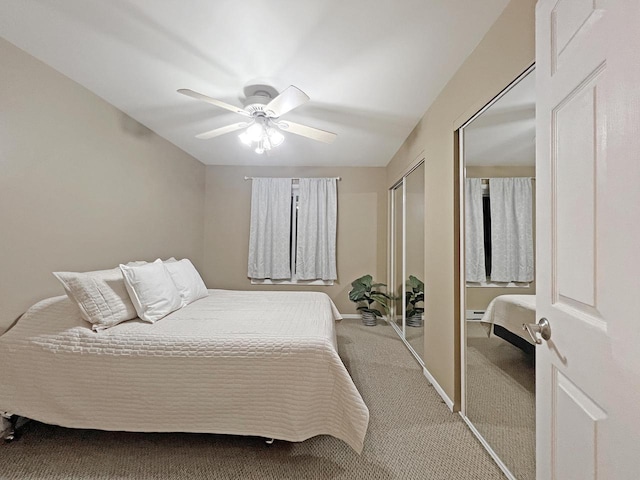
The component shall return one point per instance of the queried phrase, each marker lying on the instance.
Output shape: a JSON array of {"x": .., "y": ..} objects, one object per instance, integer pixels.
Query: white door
[{"x": 588, "y": 250}]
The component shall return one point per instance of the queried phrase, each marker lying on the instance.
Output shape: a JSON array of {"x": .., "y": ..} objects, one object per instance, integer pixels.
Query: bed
[
  {"x": 242, "y": 363},
  {"x": 505, "y": 316}
]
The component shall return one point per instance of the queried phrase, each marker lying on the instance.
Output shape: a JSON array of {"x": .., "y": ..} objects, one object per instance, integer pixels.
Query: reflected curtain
[
  {"x": 317, "y": 225},
  {"x": 270, "y": 234},
  {"x": 511, "y": 229},
  {"x": 474, "y": 231}
]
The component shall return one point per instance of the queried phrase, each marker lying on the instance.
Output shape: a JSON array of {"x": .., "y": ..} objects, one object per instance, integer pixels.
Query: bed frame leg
[
  {"x": 269, "y": 441},
  {"x": 11, "y": 426},
  {"x": 8, "y": 426}
]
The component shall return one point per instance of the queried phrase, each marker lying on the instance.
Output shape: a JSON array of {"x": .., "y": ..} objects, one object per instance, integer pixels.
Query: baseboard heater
[{"x": 475, "y": 315}]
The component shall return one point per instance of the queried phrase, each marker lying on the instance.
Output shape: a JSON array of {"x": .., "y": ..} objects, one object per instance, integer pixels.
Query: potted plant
[
  {"x": 365, "y": 293},
  {"x": 414, "y": 295}
]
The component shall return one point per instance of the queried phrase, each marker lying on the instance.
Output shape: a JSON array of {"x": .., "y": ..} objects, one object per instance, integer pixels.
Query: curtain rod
[
  {"x": 295, "y": 178},
  {"x": 486, "y": 180}
]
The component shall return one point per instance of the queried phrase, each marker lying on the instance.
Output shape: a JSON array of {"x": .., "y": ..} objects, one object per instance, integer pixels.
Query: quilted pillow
[
  {"x": 101, "y": 296},
  {"x": 153, "y": 293},
  {"x": 187, "y": 280}
]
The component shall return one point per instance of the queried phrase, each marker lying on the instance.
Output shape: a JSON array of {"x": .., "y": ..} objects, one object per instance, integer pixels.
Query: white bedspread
[
  {"x": 244, "y": 363},
  {"x": 510, "y": 312}
]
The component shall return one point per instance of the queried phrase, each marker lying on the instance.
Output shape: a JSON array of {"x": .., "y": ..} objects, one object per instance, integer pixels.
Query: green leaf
[
  {"x": 376, "y": 312},
  {"x": 357, "y": 294},
  {"x": 381, "y": 299},
  {"x": 364, "y": 281},
  {"x": 380, "y": 294},
  {"x": 415, "y": 284}
]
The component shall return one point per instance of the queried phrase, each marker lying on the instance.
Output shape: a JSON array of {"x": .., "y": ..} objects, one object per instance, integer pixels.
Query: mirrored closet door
[
  {"x": 407, "y": 259},
  {"x": 497, "y": 276}
]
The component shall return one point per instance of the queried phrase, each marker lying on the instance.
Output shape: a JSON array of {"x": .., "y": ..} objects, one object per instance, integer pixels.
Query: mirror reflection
[
  {"x": 414, "y": 288},
  {"x": 499, "y": 259},
  {"x": 407, "y": 255}
]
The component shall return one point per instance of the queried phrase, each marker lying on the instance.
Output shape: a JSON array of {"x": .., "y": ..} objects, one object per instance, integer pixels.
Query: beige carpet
[
  {"x": 412, "y": 435},
  {"x": 501, "y": 393}
]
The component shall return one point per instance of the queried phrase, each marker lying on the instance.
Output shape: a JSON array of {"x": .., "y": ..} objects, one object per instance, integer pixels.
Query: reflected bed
[{"x": 505, "y": 316}]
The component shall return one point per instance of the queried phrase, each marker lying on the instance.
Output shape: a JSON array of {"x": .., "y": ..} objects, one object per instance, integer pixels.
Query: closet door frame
[{"x": 402, "y": 183}]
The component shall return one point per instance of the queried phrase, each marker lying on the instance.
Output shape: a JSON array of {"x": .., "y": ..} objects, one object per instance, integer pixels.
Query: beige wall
[
  {"x": 479, "y": 297},
  {"x": 505, "y": 52},
  {"x": 82, "y": 186},
  {"x": 362, "y": 226}
]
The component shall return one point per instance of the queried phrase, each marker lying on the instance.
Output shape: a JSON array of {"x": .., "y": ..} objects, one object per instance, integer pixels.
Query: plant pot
[
  {"x": 369, "y": 319},
  {"x": 414, "y": 320}
]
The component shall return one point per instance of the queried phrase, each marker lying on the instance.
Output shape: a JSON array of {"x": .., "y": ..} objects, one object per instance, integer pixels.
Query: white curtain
[
  {"x": 270, "y": 234},
  {"x": 474, "y": 231},
  {"x": 317, "y": 218},
  {"x": 511, "y": 229}
]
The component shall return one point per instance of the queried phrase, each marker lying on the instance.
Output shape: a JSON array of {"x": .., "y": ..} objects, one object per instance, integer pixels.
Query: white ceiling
[
  {"x": 370, "y": 68},
  {"x": 505, "y": 133}
]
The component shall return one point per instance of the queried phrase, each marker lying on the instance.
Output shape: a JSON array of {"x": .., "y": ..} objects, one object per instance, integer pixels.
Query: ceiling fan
[{"x": 263, "y": 108}]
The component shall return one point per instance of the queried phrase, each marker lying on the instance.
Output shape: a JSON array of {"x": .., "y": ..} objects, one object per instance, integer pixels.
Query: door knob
[{"x": 542, "y": 327}]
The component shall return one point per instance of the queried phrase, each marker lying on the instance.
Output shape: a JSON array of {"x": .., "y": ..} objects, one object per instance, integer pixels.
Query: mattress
[
  {"x": 510, "y": 312},
  {"x": 243, "y": 363}
]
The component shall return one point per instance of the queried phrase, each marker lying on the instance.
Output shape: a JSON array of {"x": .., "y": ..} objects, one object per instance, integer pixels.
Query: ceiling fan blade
[
  {"x": 213, "y": 101},
  {"x": 222, "y": 130},
  {"x": 291, "y": 97},
  {"x": 309, "y": 132}
]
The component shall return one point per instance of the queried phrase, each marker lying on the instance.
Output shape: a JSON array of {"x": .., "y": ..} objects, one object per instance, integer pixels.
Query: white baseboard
[
  {"x": 438, "y": 388},
  {"x": 474, "y": 315}
]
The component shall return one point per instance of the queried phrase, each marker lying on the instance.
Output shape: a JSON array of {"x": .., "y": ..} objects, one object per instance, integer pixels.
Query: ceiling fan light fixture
[
  {"x": 256, "y": 132},
  {"x": 245, "y": 138},
  {"x": 263, "y": 134},
  {"x": 262, "y": 146},
  {"x": 275, "y": 137}
]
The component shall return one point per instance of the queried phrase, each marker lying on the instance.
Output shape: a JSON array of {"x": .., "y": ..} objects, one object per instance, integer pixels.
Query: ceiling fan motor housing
[{"x": 257, "y": 96}]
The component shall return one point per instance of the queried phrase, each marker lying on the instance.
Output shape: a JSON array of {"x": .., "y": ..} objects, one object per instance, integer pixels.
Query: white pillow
[
  {"x": 151, "y": 289},
  {"x": 187, "y": 280},
  {"x": 101, "y": 296},
  {"x": 136, "y": 263}
]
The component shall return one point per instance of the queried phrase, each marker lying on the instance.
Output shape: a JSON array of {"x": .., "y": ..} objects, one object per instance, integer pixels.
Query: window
[
  {"x": 499, "y": 235},
  {"x": 293, "y": 231},
  {"x": 295, "y": 207}
]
